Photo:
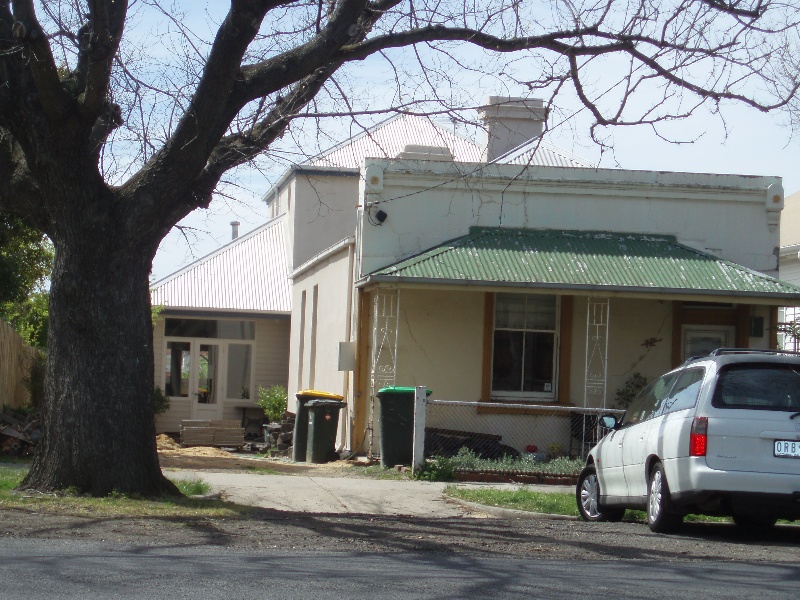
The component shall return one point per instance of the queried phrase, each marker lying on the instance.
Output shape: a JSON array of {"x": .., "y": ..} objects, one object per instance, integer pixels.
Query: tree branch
[
  {"x": 19, "y": 191},
  {"x": 27, "y": 31},
  {"x": 99, "y": 43}
]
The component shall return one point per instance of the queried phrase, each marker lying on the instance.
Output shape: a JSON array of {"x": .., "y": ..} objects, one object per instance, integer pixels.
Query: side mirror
[{"x": 608, "y": 421}]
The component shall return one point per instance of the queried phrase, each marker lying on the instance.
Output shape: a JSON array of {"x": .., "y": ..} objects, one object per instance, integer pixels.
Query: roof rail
[{"x": 720, "y": 351}]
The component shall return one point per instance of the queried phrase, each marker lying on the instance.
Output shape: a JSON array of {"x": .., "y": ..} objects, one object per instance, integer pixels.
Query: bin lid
[
  {"x": 400, "y": 390},
  {"x": 318, "y": 394},
  {"x": 325, "y": 403}
]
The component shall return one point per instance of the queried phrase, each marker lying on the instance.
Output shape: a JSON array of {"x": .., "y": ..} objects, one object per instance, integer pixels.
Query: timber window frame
[{"x": 522, "y": 347}]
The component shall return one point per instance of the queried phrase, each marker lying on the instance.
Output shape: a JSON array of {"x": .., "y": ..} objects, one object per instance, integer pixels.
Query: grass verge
[
  {"x": 553, "y": 503},
  {"x": 115, "y": 504}
]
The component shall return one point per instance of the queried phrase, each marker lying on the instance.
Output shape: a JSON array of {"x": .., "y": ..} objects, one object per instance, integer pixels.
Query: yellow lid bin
[{"x": 300, "y": 437}]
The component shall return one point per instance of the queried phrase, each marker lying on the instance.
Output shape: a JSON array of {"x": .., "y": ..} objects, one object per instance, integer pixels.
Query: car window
[
  {"x": 758, "y": 387},
  {"x": 685, "y": 391},
  {"x": 649, "y": 401}
]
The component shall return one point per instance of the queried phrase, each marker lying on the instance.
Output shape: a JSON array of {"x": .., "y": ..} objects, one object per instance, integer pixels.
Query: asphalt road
[{"x": 31, "y": 569}]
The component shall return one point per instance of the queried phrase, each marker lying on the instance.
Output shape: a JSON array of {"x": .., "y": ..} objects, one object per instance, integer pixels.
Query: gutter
[{"x": 583, "y": 289}]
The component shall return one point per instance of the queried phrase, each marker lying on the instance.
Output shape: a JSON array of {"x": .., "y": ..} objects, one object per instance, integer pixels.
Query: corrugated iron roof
[
  {"x": 249, "y": 273},
  {"x": 540, "y": 153},
  {"x": 588, "y": 260},
  {"x": 388, "y": 138}
]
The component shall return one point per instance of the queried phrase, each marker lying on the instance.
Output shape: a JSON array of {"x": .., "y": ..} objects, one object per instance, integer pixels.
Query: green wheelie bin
[
  {"x": 323, "y": 423},
  {"x": 300, "y": 437},
  {"x": 397, "y": 425}
]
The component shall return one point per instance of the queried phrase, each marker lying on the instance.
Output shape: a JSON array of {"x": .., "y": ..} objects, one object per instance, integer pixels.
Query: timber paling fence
[
  {"x": 16, "y": 359},
  {"x": 511, "y": 440}
]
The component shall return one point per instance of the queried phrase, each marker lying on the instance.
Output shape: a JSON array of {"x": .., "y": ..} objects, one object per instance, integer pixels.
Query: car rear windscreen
[{"x": 758, "y": 387}]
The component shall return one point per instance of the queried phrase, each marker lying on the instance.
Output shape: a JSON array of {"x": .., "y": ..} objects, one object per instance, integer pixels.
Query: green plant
[
  {"x": 273, "y": 401},
  {"x": 192, "y": 487},
  {"x": 467, "y": 460},
  {"x": 160, "y": 401},
  {"x": 438, "y": 468},
  {"x": 625, "y": 395}
]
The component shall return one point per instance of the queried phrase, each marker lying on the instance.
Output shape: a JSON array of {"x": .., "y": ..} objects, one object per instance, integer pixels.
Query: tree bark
[{"x": 98, "y": 422}]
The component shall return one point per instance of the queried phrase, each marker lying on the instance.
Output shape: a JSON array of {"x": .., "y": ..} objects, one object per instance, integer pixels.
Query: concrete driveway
[{"x": 319, "y": 494}]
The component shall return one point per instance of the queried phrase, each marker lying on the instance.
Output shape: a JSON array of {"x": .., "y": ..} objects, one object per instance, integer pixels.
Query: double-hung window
[{"x": 524, "y": 346}]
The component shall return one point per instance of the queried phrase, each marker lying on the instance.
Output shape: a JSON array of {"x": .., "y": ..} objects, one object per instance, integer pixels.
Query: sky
[{"x": 749, "y": 143}]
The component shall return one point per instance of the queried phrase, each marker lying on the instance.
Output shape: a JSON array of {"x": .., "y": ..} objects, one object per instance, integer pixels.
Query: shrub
[
  {"x": 438, "y": 468},
  {"x": 273, "y": 401},
  {"x": 160, "y": 401}
]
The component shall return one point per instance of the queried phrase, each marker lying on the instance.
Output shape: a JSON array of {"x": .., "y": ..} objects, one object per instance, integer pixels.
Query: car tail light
[{"x": 698, "y": 438}]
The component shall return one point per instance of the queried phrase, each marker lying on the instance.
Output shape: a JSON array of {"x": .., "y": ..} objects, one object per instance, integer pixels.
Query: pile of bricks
[{"x": 278, "y": 437}]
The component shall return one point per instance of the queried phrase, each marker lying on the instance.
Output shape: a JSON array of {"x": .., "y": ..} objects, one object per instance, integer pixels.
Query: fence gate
[{"x": 386, "y": 311}]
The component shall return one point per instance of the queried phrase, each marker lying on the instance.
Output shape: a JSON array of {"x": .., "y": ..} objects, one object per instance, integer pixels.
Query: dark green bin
[
  {"x": 397, "y": 425},
  {"x": 300, "y": 436},
  {"x": 323, "y": 423}
]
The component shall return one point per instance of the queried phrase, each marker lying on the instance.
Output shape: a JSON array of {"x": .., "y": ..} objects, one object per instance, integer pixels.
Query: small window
[
  {"x": 523, "y": 351},
  {"x": 758, "y": 387},
  {"x": 687, "y": 389}
]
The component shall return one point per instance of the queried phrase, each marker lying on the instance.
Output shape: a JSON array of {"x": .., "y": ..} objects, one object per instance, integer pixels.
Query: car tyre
[
  {"x": 660, "y": 515},
  {"x": 587, "y": 494}
]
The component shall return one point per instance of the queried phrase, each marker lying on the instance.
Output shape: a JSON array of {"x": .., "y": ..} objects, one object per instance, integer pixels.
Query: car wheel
[
  {"x": 660, "y": 517},
  {"x": 754, "y": 523},
  {"x": 587, "y": 493}
]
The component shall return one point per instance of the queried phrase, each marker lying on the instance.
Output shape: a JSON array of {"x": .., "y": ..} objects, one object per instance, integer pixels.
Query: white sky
[{"x": 755, "y": 144}]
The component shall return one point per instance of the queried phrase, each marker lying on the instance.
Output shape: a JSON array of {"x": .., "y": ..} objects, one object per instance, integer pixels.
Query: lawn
[
  {"x": 115, "y": 504},
  {"x": 554, "y": 503}
]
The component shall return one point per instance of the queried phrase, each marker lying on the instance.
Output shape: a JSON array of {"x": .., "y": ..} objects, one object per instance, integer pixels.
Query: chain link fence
[{"x": 511, "y": 438}]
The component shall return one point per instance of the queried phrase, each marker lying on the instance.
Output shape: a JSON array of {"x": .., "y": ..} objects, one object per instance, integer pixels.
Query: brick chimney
[{"x": 510, "y": 122}]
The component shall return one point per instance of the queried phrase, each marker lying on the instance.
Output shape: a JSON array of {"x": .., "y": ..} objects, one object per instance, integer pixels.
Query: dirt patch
[{"x": 173, "y": 456}]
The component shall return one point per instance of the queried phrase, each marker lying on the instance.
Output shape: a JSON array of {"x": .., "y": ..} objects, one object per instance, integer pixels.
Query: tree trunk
[{"x": 98, "y": 425}]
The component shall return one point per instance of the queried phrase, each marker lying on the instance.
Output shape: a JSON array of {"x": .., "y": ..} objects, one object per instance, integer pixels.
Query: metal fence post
[{"x": 418, "y": 455}]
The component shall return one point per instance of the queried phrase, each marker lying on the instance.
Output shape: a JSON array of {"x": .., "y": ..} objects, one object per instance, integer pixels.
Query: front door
[{"x": 193, "y": 369}]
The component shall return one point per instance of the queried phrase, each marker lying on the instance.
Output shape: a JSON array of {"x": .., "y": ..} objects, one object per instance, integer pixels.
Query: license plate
[{"x": 787, "y": 448}]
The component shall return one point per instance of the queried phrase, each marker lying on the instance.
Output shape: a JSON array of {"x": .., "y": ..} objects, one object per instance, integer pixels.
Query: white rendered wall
[
  {"x": 322, "y": 213},
  {"x": 427, "y": 203}
]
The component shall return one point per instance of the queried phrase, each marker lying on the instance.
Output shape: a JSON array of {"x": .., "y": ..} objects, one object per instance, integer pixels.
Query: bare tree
[{"x": 105, "y": 148}]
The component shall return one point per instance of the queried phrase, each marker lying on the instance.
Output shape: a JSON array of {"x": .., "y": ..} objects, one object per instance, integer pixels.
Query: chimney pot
[{"x": 235, "y": 229}]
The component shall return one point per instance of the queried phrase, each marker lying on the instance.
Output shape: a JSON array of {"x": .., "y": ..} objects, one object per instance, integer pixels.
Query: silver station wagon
[{"x": 720, "y": 435}]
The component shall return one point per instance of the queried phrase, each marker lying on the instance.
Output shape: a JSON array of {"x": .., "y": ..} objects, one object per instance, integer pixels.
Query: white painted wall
[
  {"x": 427, "y": 203},
  {"x": 322, "y": 213},
  {"x": 316, "y": 366}
]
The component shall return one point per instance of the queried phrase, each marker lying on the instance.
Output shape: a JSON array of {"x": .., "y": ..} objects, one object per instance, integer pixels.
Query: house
[
  {"x": 790, "y": 269},
  {"x": 514, "y": 274},
  {"x": 223, "y": 330}
]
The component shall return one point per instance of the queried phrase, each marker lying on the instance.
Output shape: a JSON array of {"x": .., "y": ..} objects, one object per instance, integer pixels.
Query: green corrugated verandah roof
[{"x": 582, "y": 260}]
